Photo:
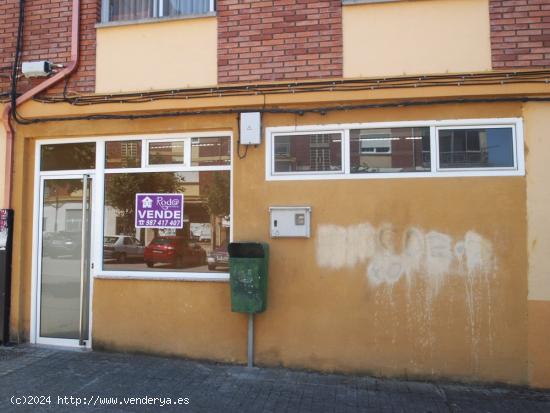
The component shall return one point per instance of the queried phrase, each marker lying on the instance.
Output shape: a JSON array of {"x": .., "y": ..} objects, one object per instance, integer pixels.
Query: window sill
[
  {"x": 400, "y": 175},
  {"x": 155, "y": 20},
  {"x": 168, "y": 276},
  {"x": 353, "y": 2}
]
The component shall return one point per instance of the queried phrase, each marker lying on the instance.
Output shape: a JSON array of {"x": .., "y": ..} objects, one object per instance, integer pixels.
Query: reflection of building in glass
[
  {"x": 310, "y": 152},
  {"x": 390, "y": 150},
  {"x": 166, "y": 153},
  {"x": 125, "y": 154},
  {"x": 463, "y": 147},
  {"x": 129, "y": 150},
  {"x": 476, "y": 148},
  {"x": 62, "y": 207},
  {"x": 210, "y": 151}
]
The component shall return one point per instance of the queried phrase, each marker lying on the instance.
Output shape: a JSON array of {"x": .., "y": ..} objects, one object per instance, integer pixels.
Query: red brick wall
[
  {"x": 520, "y": 33},
  {"x": 47, "y": 36},
  {"x": 278, "y": 40},
  {"x": 8, "y": 25}
]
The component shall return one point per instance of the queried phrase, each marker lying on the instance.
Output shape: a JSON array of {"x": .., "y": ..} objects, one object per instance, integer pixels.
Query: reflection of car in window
[
  {"x": 175, "y": 251},
  {"x": 62, "y": 243},
  {"x": 122, "y": 247},
  {"x": 219, "y": 257}
]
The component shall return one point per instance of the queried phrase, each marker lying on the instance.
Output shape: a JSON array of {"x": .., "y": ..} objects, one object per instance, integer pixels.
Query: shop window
[
  {"x": 67, "y": 156},
  {"x": 128, "y": 10},
  {"x": 476, "y": 148},
  {"x": 308, "y": 152},
  {"x": 138, "y": 180},
  {"x": 390, "y": 150},
  {"x": 197, "y": 245},
  {"x": 479, "y": 147}
]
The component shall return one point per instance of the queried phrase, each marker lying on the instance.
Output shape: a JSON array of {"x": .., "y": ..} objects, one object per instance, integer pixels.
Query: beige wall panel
[
  {"x": 174, "y": 54},
  {"x": 537, "y": 137},
  {"x": 466, "y": 323},
  {"x": 416, "y": 37}
]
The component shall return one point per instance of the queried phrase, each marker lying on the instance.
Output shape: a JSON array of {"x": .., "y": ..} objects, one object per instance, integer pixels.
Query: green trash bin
[{"x": 248, "y": 262}]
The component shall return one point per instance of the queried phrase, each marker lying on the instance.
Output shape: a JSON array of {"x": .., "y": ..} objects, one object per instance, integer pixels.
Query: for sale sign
[{"x": 159, "y": 210}]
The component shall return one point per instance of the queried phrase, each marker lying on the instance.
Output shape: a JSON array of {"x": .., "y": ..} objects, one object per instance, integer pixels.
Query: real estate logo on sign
[{"x": 159, "y": 211}]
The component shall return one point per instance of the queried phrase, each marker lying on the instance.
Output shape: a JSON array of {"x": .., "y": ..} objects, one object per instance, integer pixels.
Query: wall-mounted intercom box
[{"x": 290, "y": 221}]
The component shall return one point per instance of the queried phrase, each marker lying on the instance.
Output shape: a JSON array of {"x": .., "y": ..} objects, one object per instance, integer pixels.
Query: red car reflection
[{"x": 174, "y": 251}]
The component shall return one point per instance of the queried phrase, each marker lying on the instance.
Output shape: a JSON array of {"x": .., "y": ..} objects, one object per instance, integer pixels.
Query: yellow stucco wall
[
  {"x": 416, "y": 37},
  {"x": 162, "y": 55},
  {"x": 466, "y": 324},
  {"x": 537, "y": 127},
  {"x": 173, "y": 318},
  {"x": 537, "y": 120}
]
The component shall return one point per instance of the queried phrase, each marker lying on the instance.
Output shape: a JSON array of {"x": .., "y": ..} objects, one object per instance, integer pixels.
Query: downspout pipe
[{"x": 7, "y": 113}]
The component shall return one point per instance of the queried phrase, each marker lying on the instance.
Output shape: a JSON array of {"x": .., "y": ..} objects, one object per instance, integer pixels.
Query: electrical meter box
[
  {"x": 251, "y": 128},
  {"x": 291, "y": 222},
  {"x": 248, "y": 265}
]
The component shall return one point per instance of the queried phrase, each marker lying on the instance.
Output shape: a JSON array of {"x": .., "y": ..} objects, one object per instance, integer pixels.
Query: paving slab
[{"x": 39, "y": 379}]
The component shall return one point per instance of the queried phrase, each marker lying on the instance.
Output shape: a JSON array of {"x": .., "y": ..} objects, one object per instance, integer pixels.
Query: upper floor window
[
  {"x": 445, "y": 148},
  {"x": 128, "y": 10}
]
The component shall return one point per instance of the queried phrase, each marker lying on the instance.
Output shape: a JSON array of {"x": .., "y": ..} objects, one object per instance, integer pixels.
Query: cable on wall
[
  {"x": 541, "y": 77},
  {"x": 17, "y": 59},
  {"x": 295, "y": 111}
]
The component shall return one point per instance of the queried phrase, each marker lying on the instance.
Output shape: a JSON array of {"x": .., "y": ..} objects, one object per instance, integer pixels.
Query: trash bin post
[
  {"x": 250, "y": 358},
  {"x": 248, "y": 265}
]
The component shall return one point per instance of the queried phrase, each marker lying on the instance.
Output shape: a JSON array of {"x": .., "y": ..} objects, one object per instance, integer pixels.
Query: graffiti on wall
[{"x": 390, "y": 258}]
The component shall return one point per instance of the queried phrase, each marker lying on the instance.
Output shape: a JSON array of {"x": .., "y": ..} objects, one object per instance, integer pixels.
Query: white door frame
[{"x": 37, "y": 254}]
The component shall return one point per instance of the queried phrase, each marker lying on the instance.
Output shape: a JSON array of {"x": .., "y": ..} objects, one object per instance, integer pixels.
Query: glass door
[{"x": 63, "y": 294}]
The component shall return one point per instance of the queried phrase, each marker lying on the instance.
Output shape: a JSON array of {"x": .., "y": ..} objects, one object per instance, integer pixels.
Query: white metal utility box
[
  {"x": 251, "y": 128},
  {"x": 290, "y": 221}
]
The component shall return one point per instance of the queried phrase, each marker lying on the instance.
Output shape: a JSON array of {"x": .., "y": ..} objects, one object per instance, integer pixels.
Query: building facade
[{"x": 416, "y": 131}]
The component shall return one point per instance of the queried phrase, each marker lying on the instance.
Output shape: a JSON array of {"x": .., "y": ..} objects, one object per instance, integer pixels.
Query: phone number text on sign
[{"x": 159, "y": 211}]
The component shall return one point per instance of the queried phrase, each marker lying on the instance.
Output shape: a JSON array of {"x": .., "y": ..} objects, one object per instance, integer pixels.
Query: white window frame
[
  {"x": 96, "y": 253},
  {"x": 307, "y": 131},
  {"x": 435, "y": 125}
]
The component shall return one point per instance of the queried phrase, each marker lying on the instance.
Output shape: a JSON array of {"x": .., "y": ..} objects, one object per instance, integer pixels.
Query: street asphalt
[{"x": 38, "y": 379}]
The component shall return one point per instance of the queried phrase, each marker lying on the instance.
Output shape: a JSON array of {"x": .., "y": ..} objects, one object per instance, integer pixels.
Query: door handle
[{"x": 84, "y": 260}]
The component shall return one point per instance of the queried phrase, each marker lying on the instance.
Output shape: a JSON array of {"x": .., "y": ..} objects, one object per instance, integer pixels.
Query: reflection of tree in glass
[
  {"x": 57, "y": 193},
  {"x": 218, "y": 194},
  {"x": 67, "y": 156},
  {"x": 121, "y": 190},
  {"x": 218, "y": 201}
]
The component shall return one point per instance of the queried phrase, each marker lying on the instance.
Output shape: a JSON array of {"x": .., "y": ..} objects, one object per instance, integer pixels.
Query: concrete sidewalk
[{"x": 109, "y": 382}]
